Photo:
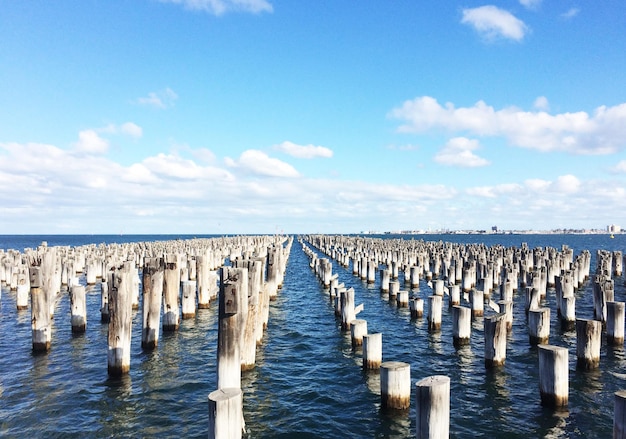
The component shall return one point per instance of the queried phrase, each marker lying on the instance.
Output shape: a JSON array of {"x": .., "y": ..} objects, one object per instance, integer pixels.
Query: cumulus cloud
[
  {"x": 458, "y": 152},
  {"x": 602, "y": 132},
  {"x": 160, "y": 99},
  {"x": 219, "y": 7},
  {"x": 91, "y": 143},
  {"x": 259, "y": 163},
  {"x": 303, "y": 151},
  {"x": 492, "y": 22}
]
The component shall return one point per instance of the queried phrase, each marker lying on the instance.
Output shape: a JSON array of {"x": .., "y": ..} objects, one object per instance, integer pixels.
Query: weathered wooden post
[
  {"x": 120, "y": 323},
  {"x": 202, "y": 278},
  {"x": 432, "y": 415},
  {"x": 171, "y": 293},
  {"x": 40, "y": 312},
  {"x": 416, "y": 307},
  {"x": 23, "y": 288},
  {"x": 619, "y": 415},
  {"x": 226, "y": 414},
  {"x": 153, "y": 271},
  {"x": 615, "y": 323},
  {"x": 415, "y": 276},
  {"x": 347, "y": 308},
  {"x": 358, "y": 328},
  {"x": 104, "y": 300},
  {"x": 435, "y": 309},
  {"x": 189, "y": 299},
  {"x": 372, "y": 266},
  {"x": 78, "y": 306},
  {"x": 394, "y": 287},
  {"x": 402, "y": 299},
  {"x": 455, "y": 295},
  {"x": 372, "y": 350},
  {"x": 477, "y": 301},
  {"x": 588, "y": 341},
  {"x": 233, "y": 284},
  {"x": 553, "y": 375},
  {"x": 384, "y": 280},
  {"x": 532, "y": 298},
  {"x": 568, "y": 311},
  {"x": 506, "y": 308},
  {"x": 538, "y": 326},
  {"x": 395, "y": 385},
  {"x": 495, "y": 341},
  {"x": 461, "y": 325}
]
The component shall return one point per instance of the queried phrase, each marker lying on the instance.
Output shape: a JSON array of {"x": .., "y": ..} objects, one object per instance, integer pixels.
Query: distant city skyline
[{"x": 268, "y": 116}]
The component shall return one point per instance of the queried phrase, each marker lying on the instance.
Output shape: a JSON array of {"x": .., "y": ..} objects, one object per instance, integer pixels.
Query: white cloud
[
  {"x": 132, "y": 130},
  {"x": 259, "y": 163},
  {"x": 602, "y": 132},
  {"x": 303, "y": 151},
  {"x": 162, "y": 99},
  {"x": 177, "y": 193},
  {"x": 458, "y": 152},
  {"x": 570, "y": 13},
  {"x": 90, "y": 142},
  {"x": 492, "y": 22},
  {"x": 566, "y": 184},
  {"x": 219, "y": 7},
  {"x": 530, "y": 4},
  {"x": 541, "y": 103},
  {"x": 620, "y": 167},
  {"x": 173, "y": 166}
]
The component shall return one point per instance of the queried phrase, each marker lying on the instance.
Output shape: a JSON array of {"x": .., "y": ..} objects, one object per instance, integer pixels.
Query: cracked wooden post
[
  {"x": 233, "y": 285},
  {"x": 395, "y": 385},
  {"x": 40, "y": 313},
  {"x": 226, "y": 414},
  {"x": 78, "y": 306},
  {"x": 495, "y": 341},
  {"x": 120, "y": 323},
  {"x": 153, "y": 271},
  {"x": 171, "y": 293},
  {"x": 432, "y": 400},
  {"x": 615, "y": 323},
  {"x": 553, "y": 375},
  {"x": 538, "y": 326},
  {"x": 372, "y": 351},
  {"x": 588, "y": 341},
  {"x": 253, "y": 325}
]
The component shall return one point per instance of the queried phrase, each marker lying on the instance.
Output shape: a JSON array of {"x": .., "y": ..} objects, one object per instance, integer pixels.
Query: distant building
[
  {"x": 494, "y": 229},
  {"x": 613, "y": 228}
]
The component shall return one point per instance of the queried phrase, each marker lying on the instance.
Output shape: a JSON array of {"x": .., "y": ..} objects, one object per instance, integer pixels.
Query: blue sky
[{"x": 261, "y": 116}]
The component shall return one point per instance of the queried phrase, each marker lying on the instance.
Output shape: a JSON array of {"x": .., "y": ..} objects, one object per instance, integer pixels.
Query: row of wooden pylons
[
  {"x": 177, "y": 277},
  {"x": 470, "y": 274}
]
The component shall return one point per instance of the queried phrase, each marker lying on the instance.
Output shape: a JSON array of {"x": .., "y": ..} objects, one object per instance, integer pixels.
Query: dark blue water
[{"x": 308, "y": 381}]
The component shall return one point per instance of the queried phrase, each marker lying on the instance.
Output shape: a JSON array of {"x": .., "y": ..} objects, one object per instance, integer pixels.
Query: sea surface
[{"x": 308, "y": 381}]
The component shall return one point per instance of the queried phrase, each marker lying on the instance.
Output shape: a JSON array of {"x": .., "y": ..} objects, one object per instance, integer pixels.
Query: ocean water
[{"x": 308, "y": 381}]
